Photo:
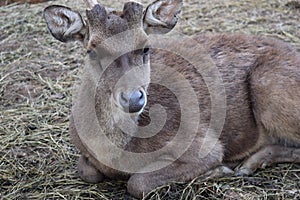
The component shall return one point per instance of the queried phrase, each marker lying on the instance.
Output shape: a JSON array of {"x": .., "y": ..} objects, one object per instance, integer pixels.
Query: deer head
[{"x": 117, "y": 43}]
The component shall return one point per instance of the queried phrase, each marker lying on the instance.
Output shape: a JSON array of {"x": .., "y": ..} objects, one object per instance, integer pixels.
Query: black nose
[{"x": 132, "y": 101}]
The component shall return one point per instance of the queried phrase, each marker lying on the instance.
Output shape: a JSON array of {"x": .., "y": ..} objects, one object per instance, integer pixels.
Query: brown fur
[{"x": 261, "y": 77}]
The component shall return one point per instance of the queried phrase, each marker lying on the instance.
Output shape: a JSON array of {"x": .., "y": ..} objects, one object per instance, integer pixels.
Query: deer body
[{"x": 261, "y": 78}]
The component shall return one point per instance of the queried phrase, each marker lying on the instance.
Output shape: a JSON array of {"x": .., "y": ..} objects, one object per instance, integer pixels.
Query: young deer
[{"x": 260, "y": 78}]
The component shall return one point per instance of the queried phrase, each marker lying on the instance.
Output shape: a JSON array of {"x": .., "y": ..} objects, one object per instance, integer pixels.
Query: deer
[{"x": 259, "y": 94}]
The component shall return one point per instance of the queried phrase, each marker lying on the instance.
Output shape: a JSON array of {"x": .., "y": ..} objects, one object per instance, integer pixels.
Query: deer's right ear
[
  {"x": 161, "y": 16},
  {"x": 65, "y": 24}
]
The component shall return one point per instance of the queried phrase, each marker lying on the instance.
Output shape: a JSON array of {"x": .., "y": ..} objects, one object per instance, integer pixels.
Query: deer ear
[
  {"x": 65, "y": 24},
  {"x": 161, "y": 16}
]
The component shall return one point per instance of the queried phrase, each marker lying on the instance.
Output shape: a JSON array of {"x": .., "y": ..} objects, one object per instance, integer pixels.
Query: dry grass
[{"x": 37, "y": 160}]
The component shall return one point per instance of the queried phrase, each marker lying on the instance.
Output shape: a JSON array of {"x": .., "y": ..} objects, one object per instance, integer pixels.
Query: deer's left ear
[
  {"x": 65, "y": 24},
  {"x": 161, "y": 16}
]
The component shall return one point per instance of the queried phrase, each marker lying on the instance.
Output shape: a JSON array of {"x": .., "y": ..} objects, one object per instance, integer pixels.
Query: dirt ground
[{"x": 37, "y": 74}]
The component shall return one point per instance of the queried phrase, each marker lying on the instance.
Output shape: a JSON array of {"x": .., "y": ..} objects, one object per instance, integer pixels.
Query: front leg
[
  {"x": 181, "y": 170},
  {"x": 88, "y": 172},
  {"x": 268, "y": 155}
]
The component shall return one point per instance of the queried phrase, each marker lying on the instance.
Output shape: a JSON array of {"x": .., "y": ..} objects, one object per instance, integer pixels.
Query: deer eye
[
  {"x": 89, "y": 51},
  {"x": 146, "y": 50},
  {"x": 92, "y": 54}
]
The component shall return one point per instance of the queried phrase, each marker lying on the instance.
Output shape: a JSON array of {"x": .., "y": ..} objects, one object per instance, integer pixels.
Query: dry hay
[
  {"x": 37, "y": 160},
  {"x": 7, "y": 2}
]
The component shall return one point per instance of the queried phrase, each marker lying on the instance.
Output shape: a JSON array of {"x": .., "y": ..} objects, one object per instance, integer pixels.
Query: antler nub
[
  {"x": 133, "y": 12},
  {"x": 90, "y": 3}
]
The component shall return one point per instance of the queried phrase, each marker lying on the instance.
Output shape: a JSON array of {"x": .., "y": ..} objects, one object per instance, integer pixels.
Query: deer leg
[
  {"x": 267, "y": 156},
  {"x": 140, "y": 184},
  {"x": 193, "y": 163},
  {"x": 220, "y": 171},
  {"x": 88, "y": 172}
]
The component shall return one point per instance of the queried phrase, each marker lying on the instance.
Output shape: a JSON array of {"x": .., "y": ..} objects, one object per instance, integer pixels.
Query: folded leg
[
  {"x": 88, "y": 172},
  {"x": 267, "y": 156}
]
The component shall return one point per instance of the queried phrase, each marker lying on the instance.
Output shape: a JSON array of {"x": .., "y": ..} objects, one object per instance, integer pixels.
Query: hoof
[
  {"x": 243, "y": 172},
  {"x": 137, "y": 186},
  {"x": 88, "y": 172}
]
